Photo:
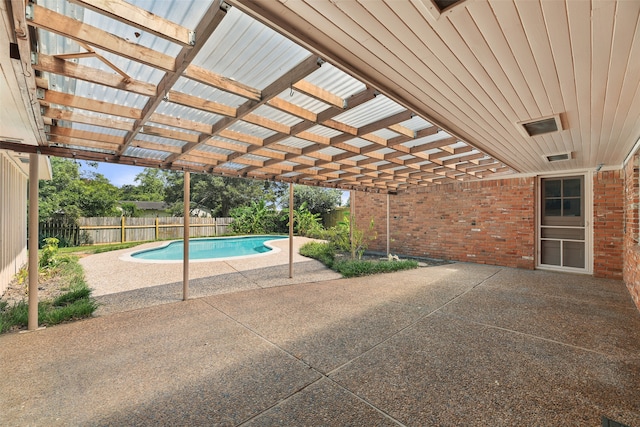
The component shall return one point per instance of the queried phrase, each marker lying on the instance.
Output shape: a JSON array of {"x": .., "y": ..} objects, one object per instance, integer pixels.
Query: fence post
[
  {"x": 157, "y": 229},
  {"x": 122, "y": 230}
]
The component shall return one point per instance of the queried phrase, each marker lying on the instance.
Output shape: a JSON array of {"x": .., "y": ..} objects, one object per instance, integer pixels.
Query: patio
[{"x": 458, "y": 344}]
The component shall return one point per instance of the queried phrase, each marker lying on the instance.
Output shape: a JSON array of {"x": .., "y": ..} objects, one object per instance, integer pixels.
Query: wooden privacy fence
[{"x": 100, "y": 230}]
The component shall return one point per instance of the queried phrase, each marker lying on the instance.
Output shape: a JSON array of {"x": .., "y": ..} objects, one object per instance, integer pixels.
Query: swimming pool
[{"x": 209, "y": 249}]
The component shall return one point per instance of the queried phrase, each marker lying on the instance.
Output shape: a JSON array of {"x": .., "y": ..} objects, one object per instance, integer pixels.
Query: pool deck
[
  {"x": 120, "y": 285},
  {"x": 458, "y": 344}
]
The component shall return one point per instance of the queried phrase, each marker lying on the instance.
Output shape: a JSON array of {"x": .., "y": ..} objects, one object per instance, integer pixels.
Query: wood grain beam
[{"x": 136, "y": 17}]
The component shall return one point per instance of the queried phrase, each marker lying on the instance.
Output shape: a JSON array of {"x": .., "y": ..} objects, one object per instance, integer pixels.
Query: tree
[
  {"x": 150, "y": 186},
  {"x": 319, "y": 200},
  {"x": 72, "y": 194},
  {"x": 218, "y": 194}
]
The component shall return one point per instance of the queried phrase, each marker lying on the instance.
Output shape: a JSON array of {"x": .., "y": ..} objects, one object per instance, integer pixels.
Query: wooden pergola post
[
  {"x": 185, "y": 258},
  {"x": 290, "y": 230},
  {"x": 352, "y": 216},
  {"x": 32, "y": 316},
  {"x": 388, "y": 247}
]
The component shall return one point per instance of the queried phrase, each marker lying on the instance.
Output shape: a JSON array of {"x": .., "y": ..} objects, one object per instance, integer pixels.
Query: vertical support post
[
  {"x": 290, "y": 230},
  {"x": 32, "y": 312},
  {"x": 388, "y": 248},
  {"x": 122, "y": 230},
  {"x": 157, "y": 228},
  {"x": 185, "y": 259},
  {"x": 352, "y": 215}
]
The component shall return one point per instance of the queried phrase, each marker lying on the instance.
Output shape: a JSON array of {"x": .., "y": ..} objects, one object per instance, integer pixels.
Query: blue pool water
[{"x": 220, "y": 247}]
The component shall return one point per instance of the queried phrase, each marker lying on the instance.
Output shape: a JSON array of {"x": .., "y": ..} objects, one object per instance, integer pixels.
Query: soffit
[
  {"x": 242, "y": 100},
  {"x": 480, "y": 68}
]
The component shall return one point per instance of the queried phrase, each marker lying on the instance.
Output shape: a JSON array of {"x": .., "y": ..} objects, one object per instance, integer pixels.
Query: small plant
[
  {"x": 325, "y": 253},
  {"x": 306, "y": 223},
  {"x": 49, "y": 252},
  {"x": 75, "y": 303},
  {"x": 354, "y": 242}
]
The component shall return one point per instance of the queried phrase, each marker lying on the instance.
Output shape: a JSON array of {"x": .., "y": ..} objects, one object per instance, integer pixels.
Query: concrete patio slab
[
  {"x": 327, "y": 324},
  {"x": 176, "y": 364},
  {"x": 446, "y": 371},
  {"x": 446, "y": 345},
  {"x": 594, "y": 319}
]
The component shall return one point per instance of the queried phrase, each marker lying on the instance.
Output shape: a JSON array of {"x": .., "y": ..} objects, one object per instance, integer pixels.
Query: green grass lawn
[{"x": 75, "y": 301}]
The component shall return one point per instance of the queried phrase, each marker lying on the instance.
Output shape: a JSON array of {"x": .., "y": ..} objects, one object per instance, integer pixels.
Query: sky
[{"x": 120, "y": 175}]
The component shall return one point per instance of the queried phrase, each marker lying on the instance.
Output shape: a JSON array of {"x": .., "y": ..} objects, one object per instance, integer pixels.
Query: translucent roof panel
[
  {"x": 209, "y": 93},
  {"x": 335, "y": 81},
  {"x": 376, "y": 109},
  {"x": 159, "y": 140},
  {"x": 276, "y": 115},
  {"x": 188, "y": 113},
  {"x": 251, "y": 53},
  {"x": 145, "y": 153}
]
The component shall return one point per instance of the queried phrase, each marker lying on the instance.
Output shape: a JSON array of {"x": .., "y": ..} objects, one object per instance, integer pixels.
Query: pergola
[{"x": 200, "y": 86}]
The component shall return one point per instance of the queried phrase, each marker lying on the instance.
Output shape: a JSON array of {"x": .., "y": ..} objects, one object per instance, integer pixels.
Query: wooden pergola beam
[
  {"x": 136, "y": 17},
  {"x": 57, "y": 23}
]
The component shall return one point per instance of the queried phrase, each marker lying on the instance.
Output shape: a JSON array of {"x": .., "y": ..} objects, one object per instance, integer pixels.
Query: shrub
[
  {"x": 356, "y": 268},
  {"x": 306, "y": 223},
  {"x": 326, "y": 253},
  {"x": 257, "y": 218},
  {"x": 323, "y": 252}
]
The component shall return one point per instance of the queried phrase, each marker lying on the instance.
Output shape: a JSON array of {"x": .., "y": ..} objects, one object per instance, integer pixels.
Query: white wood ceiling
[{"x": 481, "y": 67}]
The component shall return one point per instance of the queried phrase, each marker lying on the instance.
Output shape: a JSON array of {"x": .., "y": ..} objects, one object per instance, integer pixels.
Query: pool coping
[{"x": 128, "y": 256}]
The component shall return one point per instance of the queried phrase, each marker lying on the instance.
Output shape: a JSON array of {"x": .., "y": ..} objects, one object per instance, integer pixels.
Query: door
[{"x": 563, "y": 233}]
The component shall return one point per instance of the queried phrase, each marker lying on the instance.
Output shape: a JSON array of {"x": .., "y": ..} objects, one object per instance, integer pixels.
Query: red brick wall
[
  {"x": 632, "y": 229},
  {"x": 608, "y": 224},
  {"x": 489, "y": 222}
]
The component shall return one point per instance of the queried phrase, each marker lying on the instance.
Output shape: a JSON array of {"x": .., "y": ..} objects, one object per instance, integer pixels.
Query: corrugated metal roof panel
[
  {"x": 303, "y": 101},
  {"x": 290, "y": 174},
  {"x": 358, "y": 158},
  {"x": 376, "y": 109},
  {"x": 386, "y": 133},
  {"x": 416, "y": 123},
  {"x": 160, "y": 140},
  {"x": 84, "y": 148},
  {"x": 212, "y": 149},
  {"x": 98, "y": 129},
  {"x": 234, "y": 166},
  {"x": 251, "y": 53},
  {"x": 189, "y": 164},
  {"x": 277, "y": 115},
  {"x": 336, "y": 81},
  {"x": 431, "y": 138},
  {"x": 324, "y": 131},
  {"x": 359, "y": 142},
  {"x": 295, "y": 142},
  {"x": 251, "y": 129},
  {"x": 331, "y": 151},
  {"x": 207, "y": 92},
  {"x": 187, "y": 113},
  {"x": 145, "y": 153},
  {"x": 254, "y": 157}
]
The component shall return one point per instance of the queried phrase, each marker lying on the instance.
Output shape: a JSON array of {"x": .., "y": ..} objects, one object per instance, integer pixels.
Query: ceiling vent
[
  {"x": 443, "y": 5},
  {"x": 541, "y": 126},
  {"x": 558, "y": 157},
  {"x": 437, "y": 8}
]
